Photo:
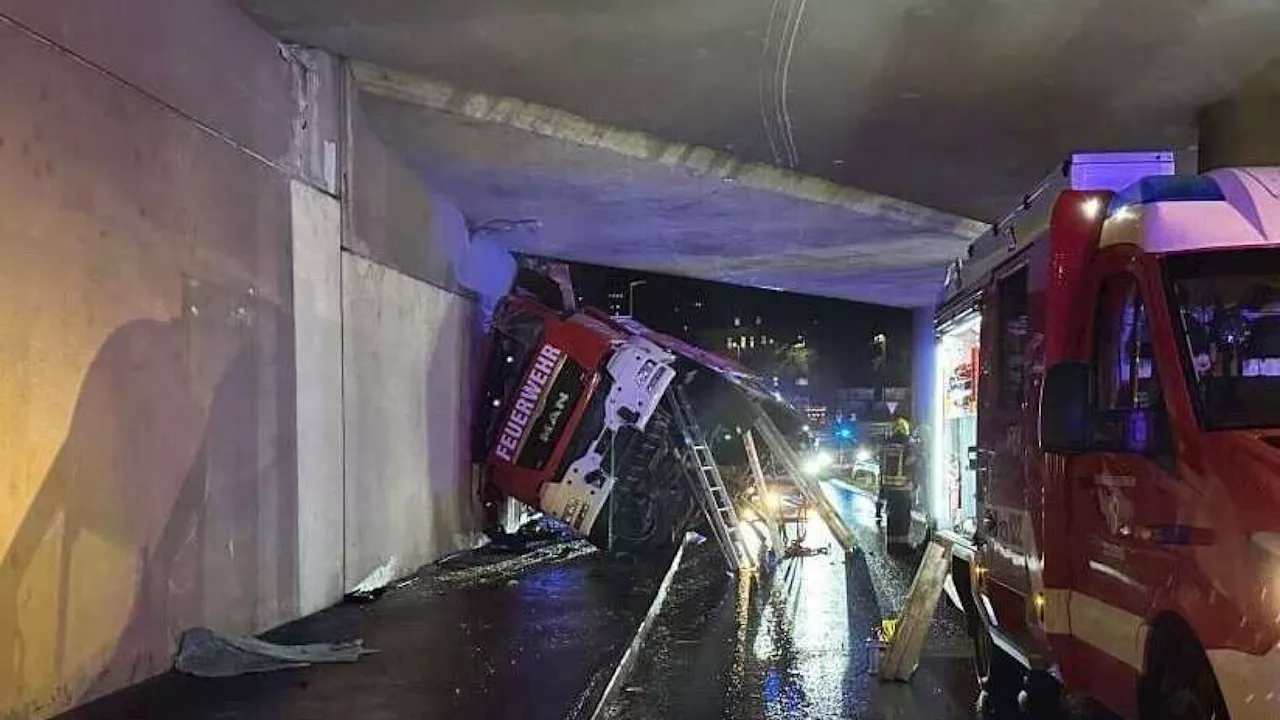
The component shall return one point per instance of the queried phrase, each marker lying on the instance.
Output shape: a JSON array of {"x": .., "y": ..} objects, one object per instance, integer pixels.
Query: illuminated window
[{"x": 737, "y": 322}]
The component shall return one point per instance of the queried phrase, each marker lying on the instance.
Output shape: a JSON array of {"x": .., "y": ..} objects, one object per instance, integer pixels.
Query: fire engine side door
[
  {"x": 1004, "y": 524},
  {"x": 1123, "y": 488}
]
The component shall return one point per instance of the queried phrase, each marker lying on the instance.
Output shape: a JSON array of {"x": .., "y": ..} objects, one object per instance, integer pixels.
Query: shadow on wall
[{"x": 172, "y": 502}]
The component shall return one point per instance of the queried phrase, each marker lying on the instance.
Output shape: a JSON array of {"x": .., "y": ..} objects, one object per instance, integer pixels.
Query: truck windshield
[
  {"x": 515, "y": 337},
  {"x": 1228, "y": 307}
]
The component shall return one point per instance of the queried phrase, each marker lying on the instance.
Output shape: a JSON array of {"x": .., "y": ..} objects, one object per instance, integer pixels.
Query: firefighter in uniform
[{"x": 899, "y": 461}]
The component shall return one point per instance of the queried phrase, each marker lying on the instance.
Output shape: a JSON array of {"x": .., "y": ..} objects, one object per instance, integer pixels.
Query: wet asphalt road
[
  {"x": 790, "y": 644},
  {"x": 486, "y": 635},
  {"x": 492, "y": 635}
]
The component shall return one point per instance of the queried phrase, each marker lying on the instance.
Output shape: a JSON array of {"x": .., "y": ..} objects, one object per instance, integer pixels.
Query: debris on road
[
  {"x": 375, "y": 583},
  {"x": 208, "y": 654}
]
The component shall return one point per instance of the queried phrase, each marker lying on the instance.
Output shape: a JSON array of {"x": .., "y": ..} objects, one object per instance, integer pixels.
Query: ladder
[
  {"x": 708, "y": 485},
  {"x": 811, "y": 488}
]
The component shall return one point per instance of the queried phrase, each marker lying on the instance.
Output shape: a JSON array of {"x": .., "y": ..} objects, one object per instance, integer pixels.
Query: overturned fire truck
[{"x": 598, "y": 420}]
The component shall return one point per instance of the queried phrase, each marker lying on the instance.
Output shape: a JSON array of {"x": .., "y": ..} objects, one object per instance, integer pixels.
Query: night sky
[{"x": 839, "y": 332}]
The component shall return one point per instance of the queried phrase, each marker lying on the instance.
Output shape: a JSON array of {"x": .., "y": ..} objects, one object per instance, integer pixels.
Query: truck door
[
  {"x": 1000, "y": 457},
  {"x": 1126, "y": 488}
]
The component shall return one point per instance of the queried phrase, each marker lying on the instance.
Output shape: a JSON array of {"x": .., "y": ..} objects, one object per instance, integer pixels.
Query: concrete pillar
[
  {"x": 1243, "y": 129},
  {"x": 924, "y": 349}
]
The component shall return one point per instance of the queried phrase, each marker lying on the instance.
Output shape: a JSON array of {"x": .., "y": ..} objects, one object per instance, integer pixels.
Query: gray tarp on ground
[{"x": 205, "y": 653}]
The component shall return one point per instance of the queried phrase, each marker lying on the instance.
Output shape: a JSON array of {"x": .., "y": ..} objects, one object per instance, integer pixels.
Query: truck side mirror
[{"x": 1064, "y": 408}]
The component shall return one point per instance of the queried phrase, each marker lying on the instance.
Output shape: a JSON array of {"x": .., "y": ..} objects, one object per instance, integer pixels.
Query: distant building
[
  {"x": 817, "y": 415},
  {"x": 617, "y": 302},
  {"x": 753, "y": 347}
]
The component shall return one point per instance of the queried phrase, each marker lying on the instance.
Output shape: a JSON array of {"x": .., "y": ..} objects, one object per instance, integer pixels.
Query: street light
[{"x": 631, "y": 296}]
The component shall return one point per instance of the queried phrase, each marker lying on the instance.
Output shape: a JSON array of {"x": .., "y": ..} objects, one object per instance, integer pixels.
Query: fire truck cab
[{"x": 1107, "y": 448}]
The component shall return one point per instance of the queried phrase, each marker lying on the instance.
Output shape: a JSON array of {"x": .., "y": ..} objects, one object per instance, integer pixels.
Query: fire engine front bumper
[{"x": 1248, "y": 683}]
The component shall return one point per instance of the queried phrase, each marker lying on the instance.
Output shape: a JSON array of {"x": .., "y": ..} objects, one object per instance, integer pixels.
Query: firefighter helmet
[{"x": 901, "y": 427}]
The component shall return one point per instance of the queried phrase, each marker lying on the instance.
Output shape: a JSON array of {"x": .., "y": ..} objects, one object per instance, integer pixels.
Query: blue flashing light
[
  {"x": 845, "y": 433},
  {"x": 1167, "y": 188}
]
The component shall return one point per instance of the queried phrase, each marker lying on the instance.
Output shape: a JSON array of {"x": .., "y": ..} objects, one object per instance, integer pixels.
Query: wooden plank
[
  {"x": 768, "y": 513},
  {"x": 812, "y": 489},
  {"x": 899, "y": 661}
]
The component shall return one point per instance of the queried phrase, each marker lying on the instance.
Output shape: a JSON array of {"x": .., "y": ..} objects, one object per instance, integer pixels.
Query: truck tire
[
  {"x": 1000, "y": 677},
  {"x": 1179, "y": 684},
  {"x": 649, "y": 506}
]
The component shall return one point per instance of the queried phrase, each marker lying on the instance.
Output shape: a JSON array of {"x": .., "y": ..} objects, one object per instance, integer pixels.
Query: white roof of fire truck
[
  {"x": 1222, "y": 209},
  {"x": 1159, "y": 212}
]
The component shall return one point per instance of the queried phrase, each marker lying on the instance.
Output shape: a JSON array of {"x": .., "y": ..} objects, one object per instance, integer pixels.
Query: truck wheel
[
  {"x": 1000, "y": 677},
  {"x": 649, "y": 506},
  {"x": 634, "y": 519},
  {"x": 1180, "y": 684},
  {"x": 1041, "y": 696}
]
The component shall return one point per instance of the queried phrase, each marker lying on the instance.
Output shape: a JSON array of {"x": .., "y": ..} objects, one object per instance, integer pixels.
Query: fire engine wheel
[
  {"x": 999, "y": 677},
  {"x": 636, "y": 519},
  {"x": 1180, "y": 684},
  {"x": 647, "y": 509}
]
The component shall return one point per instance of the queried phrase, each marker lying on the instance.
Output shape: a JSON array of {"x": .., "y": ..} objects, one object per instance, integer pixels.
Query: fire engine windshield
[
  {"x": 515, "y": 336},
  {"x": 1228, "y": 308}
]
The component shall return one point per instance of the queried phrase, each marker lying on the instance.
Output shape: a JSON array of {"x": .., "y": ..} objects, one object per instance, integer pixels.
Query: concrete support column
[
  {"x": 924, "y": 350},
  {"x": 1243, "y": 129}
]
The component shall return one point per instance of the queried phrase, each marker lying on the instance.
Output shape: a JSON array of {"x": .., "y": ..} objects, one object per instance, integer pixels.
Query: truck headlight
[{"x": 817, "y": 463}]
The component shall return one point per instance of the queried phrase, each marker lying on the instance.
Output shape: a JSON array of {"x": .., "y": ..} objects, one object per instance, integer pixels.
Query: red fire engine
[
  {"x": 571, "y": 418},
  {"x": 1118, "y": 529}
]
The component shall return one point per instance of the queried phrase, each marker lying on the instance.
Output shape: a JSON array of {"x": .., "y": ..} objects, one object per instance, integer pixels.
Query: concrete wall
[
  {"x": 394, "y": 219},
  {"x": 406, "y": 347},
  {"x": 147, "y": 460},
  {"x": 407, "y": 377},
  {"x": 317, "y": 292},
  {"x": 169, "y": 240}
]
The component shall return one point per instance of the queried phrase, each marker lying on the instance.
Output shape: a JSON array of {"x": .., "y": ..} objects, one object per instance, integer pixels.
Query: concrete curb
[{"x": 628, "y": 660}]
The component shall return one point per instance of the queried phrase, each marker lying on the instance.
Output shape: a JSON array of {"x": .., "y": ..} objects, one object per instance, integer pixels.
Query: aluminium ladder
[
  {"x": 708, "y": 485},
  {"x": 811, "y": 487}
]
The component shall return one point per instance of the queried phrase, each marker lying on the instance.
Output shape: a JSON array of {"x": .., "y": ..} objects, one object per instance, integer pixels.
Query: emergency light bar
[{"x": 1172, "y": 188}]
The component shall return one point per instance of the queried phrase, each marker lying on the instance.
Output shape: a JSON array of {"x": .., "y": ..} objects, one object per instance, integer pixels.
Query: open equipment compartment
[{"x": 953, "y": 501}]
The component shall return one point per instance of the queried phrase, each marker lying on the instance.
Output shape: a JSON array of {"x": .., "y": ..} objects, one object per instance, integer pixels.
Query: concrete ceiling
[
  {"x": 611, "y": 197},
  {"x": 954, "y": 104},
  {"x": 958, "y": 105}
]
